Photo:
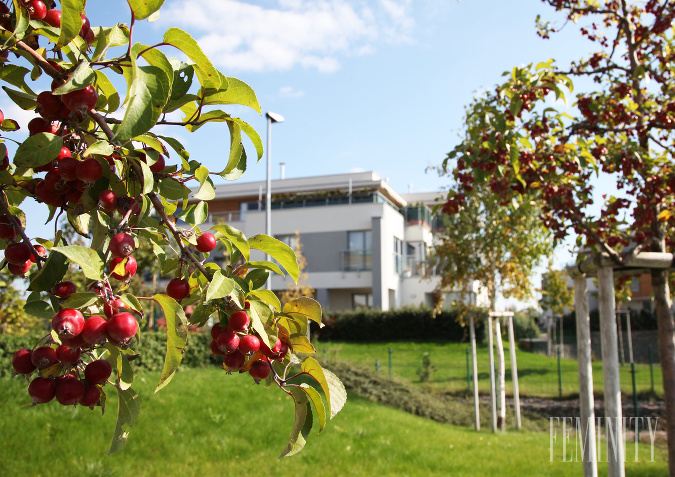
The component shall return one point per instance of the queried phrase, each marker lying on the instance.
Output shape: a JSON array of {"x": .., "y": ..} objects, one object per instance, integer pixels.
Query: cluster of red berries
[
  {"x": 69, "y": 371},
  {"x": 37, "y": 10},
  {"x": 179, "y": 288},
  {"x": 121, "y": 247},
  {"x": 236, "y": 343},
  {"x": 18, "y": 255}
]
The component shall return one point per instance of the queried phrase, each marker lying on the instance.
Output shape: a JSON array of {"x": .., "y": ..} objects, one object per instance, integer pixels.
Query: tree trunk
[
  {"x": 666, "y": 342},
  {"x": 501, "y": 377}
]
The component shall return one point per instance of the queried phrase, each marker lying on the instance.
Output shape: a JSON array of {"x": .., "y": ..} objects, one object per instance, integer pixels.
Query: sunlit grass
[
  {"x": 207, "y": 423},
  {"x": 537, "y": 374}
]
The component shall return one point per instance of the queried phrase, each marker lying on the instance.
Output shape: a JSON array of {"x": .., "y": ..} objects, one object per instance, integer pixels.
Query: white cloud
[
  {"x": 290, "y": 92},
  {"x": 308, "y": 33}
]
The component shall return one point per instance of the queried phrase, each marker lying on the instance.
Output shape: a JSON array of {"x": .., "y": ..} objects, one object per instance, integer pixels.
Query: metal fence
[{"x": 538, "y": 375}]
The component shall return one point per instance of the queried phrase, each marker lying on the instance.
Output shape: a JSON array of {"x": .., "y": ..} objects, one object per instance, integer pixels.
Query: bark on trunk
[
  {"x": 666, "y": 326},
  {"x": 501, "y": 377}
]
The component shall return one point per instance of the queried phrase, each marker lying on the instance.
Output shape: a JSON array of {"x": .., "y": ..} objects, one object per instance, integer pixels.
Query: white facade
[{"x": 362, "y": 246}]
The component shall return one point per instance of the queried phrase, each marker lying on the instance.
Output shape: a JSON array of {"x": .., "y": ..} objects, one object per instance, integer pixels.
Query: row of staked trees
[{"x": 523, "y": 153}]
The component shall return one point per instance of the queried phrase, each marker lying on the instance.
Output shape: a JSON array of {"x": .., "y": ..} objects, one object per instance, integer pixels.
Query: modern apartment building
[{"x": 365, "y": 243}]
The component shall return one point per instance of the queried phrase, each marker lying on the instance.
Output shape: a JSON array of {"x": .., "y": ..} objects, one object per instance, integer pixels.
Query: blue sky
[{"x": 363, "y": 84}]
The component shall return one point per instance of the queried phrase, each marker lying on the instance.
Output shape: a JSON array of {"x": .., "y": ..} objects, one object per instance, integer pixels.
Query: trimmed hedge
[
  {"x": 402, "y": 324},
  {"x": 152, "y": 349},
  {"x": 639, "y": 320}
]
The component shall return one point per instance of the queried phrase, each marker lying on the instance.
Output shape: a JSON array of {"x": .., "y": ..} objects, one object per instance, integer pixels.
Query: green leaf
[
  {"x": 278, "y": 250},
  {"x": 101, "y": 147},
  {"x": 108, "y": 90},
  {"x": 156, "y": 58},
  {"x": 176, "y": 146},
  {"x": 142, "y": 9},
  {"x": 121, "y": 364},
  {"x": 195, "y": 214},
  {"x": 257, "y": 324},
  {"x": 71, "y": 22},
  {"x": 304, "y": 307},
  {"x": 302, "y": 425},
  {"x": 236, "y": 148},
  {"x": 252, "y": 135},
  {"x": 235, "y": 236},
  {"x": 127, "y": 412},
  {"x": 220, "y": 286},
  {"x": 80, "y": 300},
  {"x": 82, "y": 76},
  {"x": 313, "y": 396},
  {"x": 269, "y": 297},
  {"x": 15, "y": 75},
  {"x": 117, "y": 35},
  {"x": 148, "y": 178},
  {"x": 182, "y": 78},
  {"x": 208, "y": 75},
  {"x": 38, "y": 150},
  {"x": 131, "y": 302},
  {"x": 80, "y": 223},
  {"x": 331, "y": 385},
  {"x": 172, "y": 189},
  {"x": 148, "y": 92},
  {"x": 40, "y": 309},
  {"x": 176, "y": 337},
  {"x": 237, "y": 92},
  {"x": 265, "y": 265},
  {"x": 238, "y": 171},
  {"x": 90, "y": 261},
  {"x": 23, "y": 100},
  {"x": 206, "y": 190}
]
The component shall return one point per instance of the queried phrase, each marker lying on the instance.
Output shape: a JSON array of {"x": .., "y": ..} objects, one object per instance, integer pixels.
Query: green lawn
[
  {"x": 537, "y": 374},
  {"x": 207, "y": 423}
]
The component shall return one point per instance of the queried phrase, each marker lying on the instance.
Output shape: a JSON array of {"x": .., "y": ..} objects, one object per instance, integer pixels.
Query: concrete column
[{"x": 380, "y": 292}]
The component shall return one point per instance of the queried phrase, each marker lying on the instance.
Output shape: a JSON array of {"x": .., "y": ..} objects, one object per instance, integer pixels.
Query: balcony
[
  {"x": 225, "y": 217},
  {"x": 414, "y": 267},
  {"x": 356, "y": 260}
]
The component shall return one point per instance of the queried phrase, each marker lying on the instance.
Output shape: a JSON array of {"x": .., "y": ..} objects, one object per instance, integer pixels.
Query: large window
[
  {"x": 398, "y": 256},
  {"x": 358, "y": 255},
  {"x": 362, "y": 300}
]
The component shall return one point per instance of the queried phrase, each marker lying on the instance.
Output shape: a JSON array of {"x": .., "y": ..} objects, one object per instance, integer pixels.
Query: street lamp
[{"x": 271, "y": 118}]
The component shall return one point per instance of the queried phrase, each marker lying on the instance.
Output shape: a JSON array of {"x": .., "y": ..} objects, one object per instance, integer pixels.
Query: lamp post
[{"x": 271, "y": 118}]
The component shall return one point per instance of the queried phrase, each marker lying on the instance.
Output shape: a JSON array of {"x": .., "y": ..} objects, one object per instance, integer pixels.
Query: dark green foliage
[
  {"x": 639, "y": 320},
  {"x": 403, "y": 324},
  {"x": 524, "y": 326},
  {"x": 151, "y": 350}
]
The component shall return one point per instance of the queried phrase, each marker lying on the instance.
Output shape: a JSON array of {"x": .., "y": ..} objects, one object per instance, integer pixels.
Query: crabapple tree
[
  {"x": 93, "y": 157},
  {"x": 520, "y": 144}
]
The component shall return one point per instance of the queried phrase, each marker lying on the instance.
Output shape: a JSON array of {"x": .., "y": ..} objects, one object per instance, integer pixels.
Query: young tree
[
  {"x": 115, "y": 183},
  {"x": 556, "y": 297},
  {"x": 525, "y": 149}
]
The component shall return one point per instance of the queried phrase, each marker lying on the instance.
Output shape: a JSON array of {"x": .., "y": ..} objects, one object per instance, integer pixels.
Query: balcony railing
[
  {"x": 225, "y": 216},
  {"x": 356, "y": 260},
  {"x": 413, "y": 267}
]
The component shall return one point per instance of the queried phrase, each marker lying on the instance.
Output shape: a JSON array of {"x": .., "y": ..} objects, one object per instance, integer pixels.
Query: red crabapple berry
[
  {"x": 42, "y": 390},
  {"x": 95, "y": 330},
  {"x": 206, "y": 242},
  {"x": 97, "y": 372},
  {"x": 18, "y": 253},
  {"x": 69, "y": 390},
  {"x": 92, "y": 394},
  {"x": 111, "y": 307},
  {"x": 67, "y": 355},
  {"x": 7, "y": 229},
  {"x": 81, "y": 100},
  {"x": 122, "y": 245},
  {"x": 64, "y": 289},
  {"x": 19, "y": 270},
  {"x": 67, "y": 168},
  {"x": 227, "y": 341},
  {"x": 270, "y": 353},
  {"x": 36, "y": 9},
  {"x": 281, "y": 354},
  {"x": 178, "y": 289},
  {"x": 68, "y": 322},
  {"x": 44, "y": 357},
  {"x": 41, "y": 252},
  {"x": 49, "y": 106},
  {"x": 260, "y": 370},
  {"x": 214, "y": 348},
  {"x": 107, "y": 200},
  {"x": 249, "y": 344},
  {"x": 129, "y": 269},
  {"x": 159, "y": 165},
  {"x": 234, "y": 360},
  {"x": 239, "y": 321},
  {"x": 53, "y": 18},
  {"x": 22, "y": 363},
  {"x": 122, "y": 326},
  {"x": 216, "y": 330},
  {"x": 90, "y": 171}
]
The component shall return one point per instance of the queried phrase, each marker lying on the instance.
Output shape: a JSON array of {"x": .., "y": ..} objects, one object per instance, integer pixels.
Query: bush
[
  {"x": 151, "y": 349},
  {"x": 402, "y": 324},
  {"x": 639, "y": 320},
  {"x": 524, "y": 326}
]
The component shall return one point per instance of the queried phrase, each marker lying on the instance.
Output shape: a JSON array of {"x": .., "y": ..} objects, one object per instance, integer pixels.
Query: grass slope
[{"x": 207, "y": 423}]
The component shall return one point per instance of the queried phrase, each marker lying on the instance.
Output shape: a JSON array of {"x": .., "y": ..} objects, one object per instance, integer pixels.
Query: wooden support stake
[
  {"x": 501, "y": 377},
  {"x": 514, "y": 373},
  {"x": 610, "y": 366},
  {"x": 493, "y": 397},
  {"x": 474, "y": 365},
  {"x": 586, "y": 400}
]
